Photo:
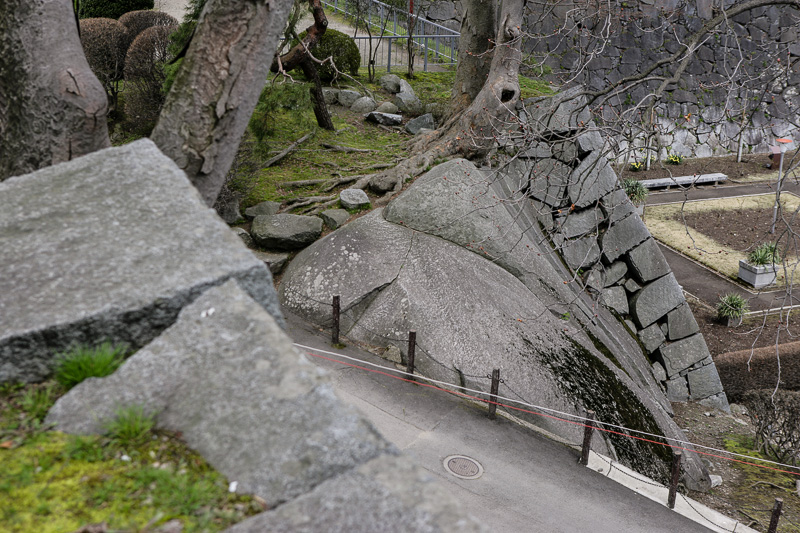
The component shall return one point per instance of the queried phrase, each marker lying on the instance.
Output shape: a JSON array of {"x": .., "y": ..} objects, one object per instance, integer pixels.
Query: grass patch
[
  {"x": 52, "y": 482},
  {"x": 664, "y": 224},
  {"x": 84, "y": 362}
]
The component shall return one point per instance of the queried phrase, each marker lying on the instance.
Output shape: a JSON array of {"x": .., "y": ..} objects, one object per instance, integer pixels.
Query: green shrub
[
  {"x": 138, "y": 21},
  {"x": 765, "y": 254},
  {"x": 105, "y": 43},
  {"x": 637, "y": 193},
  {"x": 81, "y": 362},
  {"x": 342, "y": 48},
  {"x": 274, "y": 98},
  {"x": 130, "y": 427},
  {"x": 732, "y": 306},
  {"x": 112, "y": 9}
]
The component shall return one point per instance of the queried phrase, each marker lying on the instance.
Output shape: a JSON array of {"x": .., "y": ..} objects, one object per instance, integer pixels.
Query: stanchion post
[
  {"x": 676, "y": 474},
  {"x": 335, "y": 328},
  {"x": 493, "y": 394},
  {"x": 776, "y": 515},
  {"x": 412, "y": 348},
  {"x": 588, "y": 430}
]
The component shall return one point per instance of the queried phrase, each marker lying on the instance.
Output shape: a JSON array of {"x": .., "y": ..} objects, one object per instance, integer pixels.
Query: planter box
[{"x": 757, "y": 276}]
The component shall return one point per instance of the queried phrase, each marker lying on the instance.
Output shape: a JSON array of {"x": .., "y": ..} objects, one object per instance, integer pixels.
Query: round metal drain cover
[{"x": 463, "y": 467}]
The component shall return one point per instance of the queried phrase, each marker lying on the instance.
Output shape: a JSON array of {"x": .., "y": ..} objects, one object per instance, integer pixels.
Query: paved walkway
[
  {"x": 704, "y": 283},
  {"x": 530, "y": 483}
]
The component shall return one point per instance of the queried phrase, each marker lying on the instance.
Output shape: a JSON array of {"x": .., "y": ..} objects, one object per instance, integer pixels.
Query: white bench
[{"x": 684, "y": 181}]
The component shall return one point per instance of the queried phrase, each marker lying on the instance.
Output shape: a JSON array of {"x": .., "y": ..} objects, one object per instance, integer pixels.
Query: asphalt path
[{"x": 529, "y": 483}]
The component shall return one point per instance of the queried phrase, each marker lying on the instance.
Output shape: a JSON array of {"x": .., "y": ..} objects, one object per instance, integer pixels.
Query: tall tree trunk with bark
[
  {"x": 217, "y": 88},
  {"x": 474, "y": 56},
  {"x": 52, "y": 107}
]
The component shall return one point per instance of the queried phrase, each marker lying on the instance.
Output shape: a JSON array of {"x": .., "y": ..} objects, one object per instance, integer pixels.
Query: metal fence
[{"x": 434, "y": 43}]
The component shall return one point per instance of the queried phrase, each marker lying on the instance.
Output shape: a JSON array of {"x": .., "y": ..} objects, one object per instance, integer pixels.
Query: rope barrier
[{"x": 578, "y": 420}]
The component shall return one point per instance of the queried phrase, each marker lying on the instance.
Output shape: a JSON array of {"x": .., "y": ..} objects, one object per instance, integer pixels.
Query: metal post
[
  {"x": 776, "y": 515},
  {"x": 389, "y": 54},
  {"x": 425, "y": 49},
  {"x": 335, "y": 328},
  {"x": 412, "y": 348},
  {"x": 676, "y": 474},
  {"x": 493, "y": 394},
  {"x": 587, "y": 438}
]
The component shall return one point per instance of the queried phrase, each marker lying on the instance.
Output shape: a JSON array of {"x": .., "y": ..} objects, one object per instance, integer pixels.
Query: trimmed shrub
[
  {"x": 144, "y": 77},
  {"x": 138, "y": 21},
  {"x": 105, "y": 42},
  {"x": 112, "y": 9},
  {"x": 762, "y": 373},
  {"x": 342, "y": 48}
]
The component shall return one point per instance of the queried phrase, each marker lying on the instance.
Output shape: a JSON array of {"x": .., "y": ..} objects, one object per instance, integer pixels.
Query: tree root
[
  {"x": 304, "y": 201},
  {"x": 292, "y": 147},
  {"x": 319, "y": 207},
  {"x": 347, "y": 149},
  {"x": 771, "y": 485}
]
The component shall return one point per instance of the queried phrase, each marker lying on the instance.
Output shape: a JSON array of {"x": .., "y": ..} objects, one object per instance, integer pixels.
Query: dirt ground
[{"x": 752, "y": 165}]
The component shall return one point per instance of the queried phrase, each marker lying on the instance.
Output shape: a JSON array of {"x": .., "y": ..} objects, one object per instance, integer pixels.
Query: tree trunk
[
  {"x": 474, "y": 58},
  {"x": 52, "y": 107},
  {"x": 217, "y": 87},
  {"x": 317, "y": 98}
]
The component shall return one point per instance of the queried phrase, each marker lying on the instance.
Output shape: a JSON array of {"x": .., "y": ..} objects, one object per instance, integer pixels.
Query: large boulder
[
  {"x": 230, "y": 381},
  {"x": 285, "y": 231},
  {"x": 109, "y": 246}
]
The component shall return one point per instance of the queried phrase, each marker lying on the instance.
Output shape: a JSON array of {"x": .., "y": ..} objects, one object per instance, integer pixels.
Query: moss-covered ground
[{"x": 53, "y": 482}]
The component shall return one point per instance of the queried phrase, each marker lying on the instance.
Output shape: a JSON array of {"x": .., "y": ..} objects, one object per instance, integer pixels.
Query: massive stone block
[
  {"x": 655, "y": 300},
  {"x": 648, "y": 262},
  {"x": 110, "y": 246},
  {"x": 682, "y": 354},
  {"x": 704, "y": 382},
  {"x": 622, "y": 236},
  {"x": 227, "y": 377}
]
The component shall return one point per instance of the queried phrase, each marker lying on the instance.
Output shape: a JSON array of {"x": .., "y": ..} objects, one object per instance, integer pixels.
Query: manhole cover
[{"x": 463, "y": 467}]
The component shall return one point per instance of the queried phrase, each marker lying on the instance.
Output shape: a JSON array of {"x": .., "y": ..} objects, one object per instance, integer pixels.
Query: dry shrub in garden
[
  {"x": 775, "y": 418},
  {"x": 144, "y": 77},
  {"x": 748, "y": 370},
  {"x": 105, "y": 42},
  {"x": 138, "y": 21}
]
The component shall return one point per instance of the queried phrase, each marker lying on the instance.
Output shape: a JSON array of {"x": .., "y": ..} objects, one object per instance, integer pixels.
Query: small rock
[
  {"x": 390, "y": 82},
  {"x": 285, "y": 232},
  {"x": 416, "y": 124},
  {"x": 386, "y": 119},
  {"x": 365, "y": 104},
  {"x": 408, "y": 103},
  {"x": 242, "y": 233},
  {"x": 330, "y": 95},
  {"x": 353, "y": 199},
  {"x": 347, "y": 98},
  {"x": 393, "y": 354},
  {"x": 264, "y": 208},
  {"x": 275, "y": 261},
  {"x": 334, "y": 218},
  {"x": 173, "y": 526},
  {"x": 387, "y": 107},
  {"x": 716, "y": 481}
]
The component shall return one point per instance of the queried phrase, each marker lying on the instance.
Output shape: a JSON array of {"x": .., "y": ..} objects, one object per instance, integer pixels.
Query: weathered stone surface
[
  {"x": 109, "y": 246},
  {"x": 390, "y": 82},
  {"x": 386, "y": 490},
  {"x": 615, "y": 272},
  {"x": 717, "y": 401},
  {"x": 549, "y": 180},
  {"x": 704, "y": 382},
  {"x": 246, "y": 238},
  {"x": 591, "y": 180},
  {"x": 408, "y": 103},
  {"x": 682, "y": 354},
  {"x": 263, "y": 209},
  {"x": 622, "y": 236},
  {"x": 353, "y": 199},
  {"x": 386, "y": 119},
  {"x": 565, "y": 113},
  {"x": 677, "y": 390},
  {"x": 228, "y": 211},
  {"x": 388, "y": 107},
  {"x": 274, "y": 261},
  {"x": 578, "y": 224},
  {"x": 588, "y": 142},
  {"x": 424, "y": 121},
  {"x": 285, "y": 232},
  {"x": 334, "y": 218},
  {"x": 631, "y": 286},
  {"x": 330, "y": 95},
  {"x": 347, "y": 97},
  {"x": 226, "y": 377},
  {"x": 393, "y": 354},
  {"x": 681, "y": 323},
  {"x": 647, "y": 261},
  {"x": 616, "y": 206},
  {"x": 365, "y": 104},
  {"x": 537, "y": 151},
  {"x": 658, "y": 372},
  {"x": 652, "y": 337},
  {"x": 656, "y": 300},
  {"x": 616, "y": 299},
  {"x": 581, "y": 253}
]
